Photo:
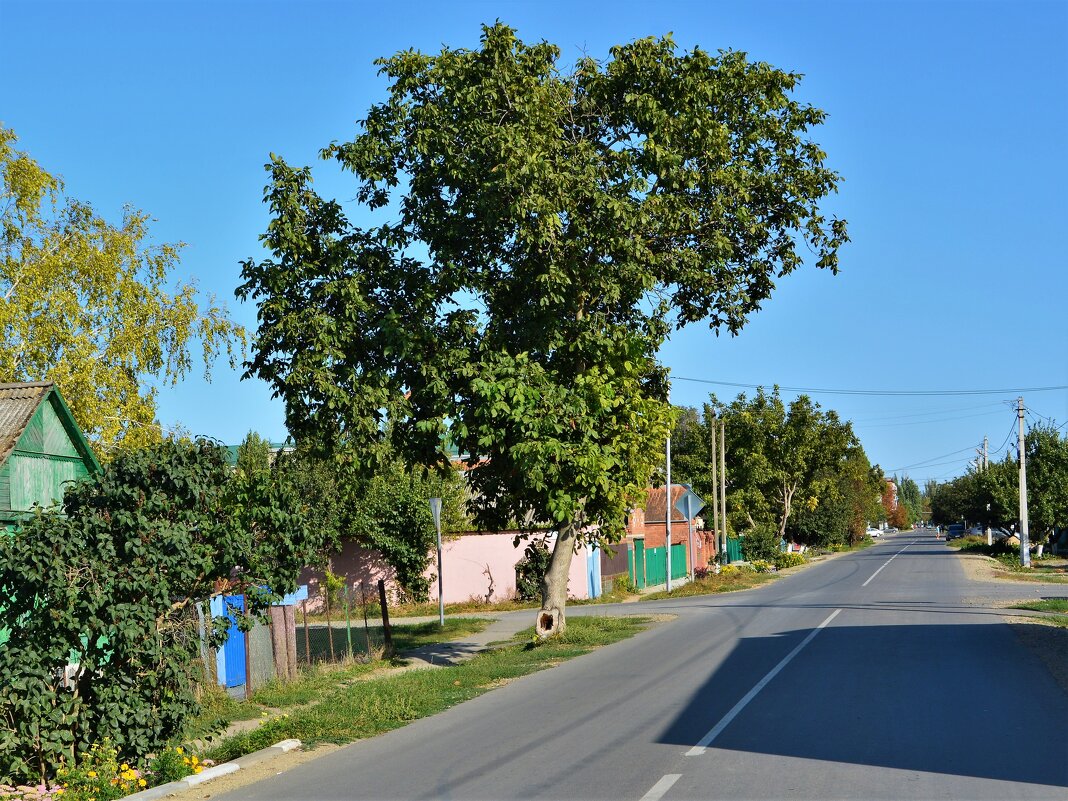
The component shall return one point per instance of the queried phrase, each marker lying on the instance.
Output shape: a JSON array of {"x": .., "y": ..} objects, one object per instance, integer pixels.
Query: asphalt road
[{"x": 869, "y": 676}]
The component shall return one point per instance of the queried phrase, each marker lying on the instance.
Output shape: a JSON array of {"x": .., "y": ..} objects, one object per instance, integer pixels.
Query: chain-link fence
[{"x": 348, "y": 626}]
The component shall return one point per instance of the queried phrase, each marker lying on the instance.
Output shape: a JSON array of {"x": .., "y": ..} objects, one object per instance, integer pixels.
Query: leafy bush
[
  {"x": 737, "y": 568},
  {"x": 762, "y": 566},
  {"x": 99, "y": 776},
  {"x": 625, "y": 584},
  {"x": 761, "y": 542},
  {"x": 111, "y": 583},
  {"x": 173, "y": 764},
  {"x": 788, "y": 559},
  {"x": 530, "y": 571}
]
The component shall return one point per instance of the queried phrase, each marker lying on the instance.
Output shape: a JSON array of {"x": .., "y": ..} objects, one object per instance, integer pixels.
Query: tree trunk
[{"x": 554, "y": 585}]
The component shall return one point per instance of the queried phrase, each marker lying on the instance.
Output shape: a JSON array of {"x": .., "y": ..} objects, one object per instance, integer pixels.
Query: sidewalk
[{"x": 503, "y": 628}]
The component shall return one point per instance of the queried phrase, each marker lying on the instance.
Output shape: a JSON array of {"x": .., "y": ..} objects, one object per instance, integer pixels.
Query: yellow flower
[
  {"x": 195, "y": 760},
  {"x": 91, "y": 774},
  {"x": 179, "y": 750},
  {"x": 141, "y": 783},
  {"x": 124, "y": 766},
  {"x": 198, "y": 768}
]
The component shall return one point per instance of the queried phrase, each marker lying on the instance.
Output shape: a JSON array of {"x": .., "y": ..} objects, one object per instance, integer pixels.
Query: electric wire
[{"x": 878, "y": 392}]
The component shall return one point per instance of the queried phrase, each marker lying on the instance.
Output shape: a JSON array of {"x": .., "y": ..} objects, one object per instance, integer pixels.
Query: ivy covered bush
[
  {"x": 112, "y": 581},
  {"x": 530, "y": 571}
]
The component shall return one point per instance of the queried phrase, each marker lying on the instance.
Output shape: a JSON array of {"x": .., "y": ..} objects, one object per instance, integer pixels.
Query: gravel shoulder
[{"x": 1048, "y": 642}]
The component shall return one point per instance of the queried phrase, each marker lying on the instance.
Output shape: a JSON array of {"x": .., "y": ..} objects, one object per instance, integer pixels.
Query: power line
[
  {"x": 925, "y": 462},
  {"x": 922, "y": 422},
  {"x": 925, "y": 414},
  {"x": 878, "y": 392}
]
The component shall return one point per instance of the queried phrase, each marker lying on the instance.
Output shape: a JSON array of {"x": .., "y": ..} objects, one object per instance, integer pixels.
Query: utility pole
[
  {"x": 986, "y": 453},
  {"x": 715, "y": 493},
  {"x": 668, "y": 512},
  {"x": 1025, "y": 544},
  {"x": 723, "y": 480}
]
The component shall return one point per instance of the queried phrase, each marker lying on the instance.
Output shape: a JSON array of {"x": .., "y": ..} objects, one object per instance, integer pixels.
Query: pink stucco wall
[
  {"x": 475, "y": 566},
  {"x": 483, "y": 566}
]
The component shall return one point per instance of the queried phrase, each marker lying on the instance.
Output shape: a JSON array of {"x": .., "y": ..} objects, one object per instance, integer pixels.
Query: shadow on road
[{"x": 955, "y": 699}]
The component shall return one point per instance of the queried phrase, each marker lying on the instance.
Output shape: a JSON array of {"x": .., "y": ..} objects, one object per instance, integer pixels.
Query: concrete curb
[{"x": 214, "y": 772}]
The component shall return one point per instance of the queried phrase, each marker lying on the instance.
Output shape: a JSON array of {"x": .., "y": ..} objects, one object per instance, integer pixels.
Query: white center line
[
  {"x": 888, "y": 561},
  {"x": 704, "y": 742},
  {"x": 656, "y": 792}
]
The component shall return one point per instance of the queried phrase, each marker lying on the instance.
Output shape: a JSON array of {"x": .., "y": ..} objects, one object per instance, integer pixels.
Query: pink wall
[
  {"x": 475, "y": 566},
  {"x": 483, "y": 566}
]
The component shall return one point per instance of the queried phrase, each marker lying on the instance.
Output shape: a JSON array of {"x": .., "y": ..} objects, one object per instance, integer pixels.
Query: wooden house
[{"x": 41, "y": 449}]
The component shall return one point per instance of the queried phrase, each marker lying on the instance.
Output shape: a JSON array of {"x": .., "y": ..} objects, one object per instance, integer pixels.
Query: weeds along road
[{"x": 867, "y": 676}]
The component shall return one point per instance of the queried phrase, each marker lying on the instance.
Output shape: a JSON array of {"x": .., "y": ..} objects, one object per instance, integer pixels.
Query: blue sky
[{"x": 947, "y": 122}]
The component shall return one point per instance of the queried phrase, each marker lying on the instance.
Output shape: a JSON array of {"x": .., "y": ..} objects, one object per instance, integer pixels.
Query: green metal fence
[{"x": 656, "y": 564}]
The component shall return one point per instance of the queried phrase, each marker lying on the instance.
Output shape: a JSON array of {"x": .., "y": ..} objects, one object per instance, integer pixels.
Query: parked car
[
  {"x": 954, "y": 531},
  {"x": 874, "y": 533}
]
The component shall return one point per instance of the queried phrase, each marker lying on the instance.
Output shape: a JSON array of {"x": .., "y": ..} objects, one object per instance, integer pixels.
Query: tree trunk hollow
[{"x": 551, "y": 619}]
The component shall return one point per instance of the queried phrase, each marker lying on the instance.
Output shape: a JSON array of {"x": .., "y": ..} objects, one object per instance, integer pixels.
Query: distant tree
[
  {"x": 781, "y": 461},
  {"x": 690, "y": 449},
  {"x": 93, "y": 307},
  {"x": 909, "y": 495},
  {"x": 388, "y": 511},
  {"x": 546, "y": 229},
  {"x": 1047, "y": 480},
  {"x": 845, "y": 503}
]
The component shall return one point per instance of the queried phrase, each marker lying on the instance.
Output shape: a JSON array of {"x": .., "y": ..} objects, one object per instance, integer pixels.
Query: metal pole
[
  {"x": 435, "y": 510},
  {"x": 668, "y": 513},
  {"x": 689, "y": 526},
  {"x": 1025, "y": 544}
]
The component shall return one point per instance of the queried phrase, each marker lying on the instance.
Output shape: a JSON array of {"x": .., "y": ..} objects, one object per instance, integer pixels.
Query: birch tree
[{"x": 94, "y": 307}]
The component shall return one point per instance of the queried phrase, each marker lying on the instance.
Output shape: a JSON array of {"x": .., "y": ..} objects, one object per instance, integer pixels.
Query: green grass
[
  {"x": 1046, "y": 605},
  {"x": 724, "y": 582},
  {"x": 351, "y": 710},
  {"x": 422, "y": 610},
  {"x": 217, "y": 711}
]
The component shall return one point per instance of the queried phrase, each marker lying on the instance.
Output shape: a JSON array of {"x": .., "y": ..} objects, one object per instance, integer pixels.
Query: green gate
[
  {"x": 679, "y": 568},
  {"x": 655, "y": 566},
  {"x": 734, "y": 549},
  {"x": 636, "y": 557}
]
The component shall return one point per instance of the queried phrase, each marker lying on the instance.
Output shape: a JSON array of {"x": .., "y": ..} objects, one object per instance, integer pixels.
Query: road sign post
[{"x": 435, "y": 510}]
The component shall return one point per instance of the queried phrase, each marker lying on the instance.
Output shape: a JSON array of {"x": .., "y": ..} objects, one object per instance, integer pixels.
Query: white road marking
[
  {"x": 704, "y": 742},
  {"x": 888, "y": 561},
  {"x": 656, "y": 792}
]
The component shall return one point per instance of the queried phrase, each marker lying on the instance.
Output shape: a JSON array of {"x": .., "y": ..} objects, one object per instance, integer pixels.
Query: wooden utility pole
[
  {"x": 723, "y": 479},
  {"x": 1025, "y": 544},
  {"x": 715, "y": 494},
  {"x": 667, "y": 513}
]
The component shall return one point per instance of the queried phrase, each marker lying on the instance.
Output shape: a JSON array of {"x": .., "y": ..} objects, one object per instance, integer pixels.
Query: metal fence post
[{"x": 348, "y": 617}]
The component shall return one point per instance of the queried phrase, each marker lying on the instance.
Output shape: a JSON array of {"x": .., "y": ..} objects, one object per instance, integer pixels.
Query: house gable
[{"x": 44, "y": 449}]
